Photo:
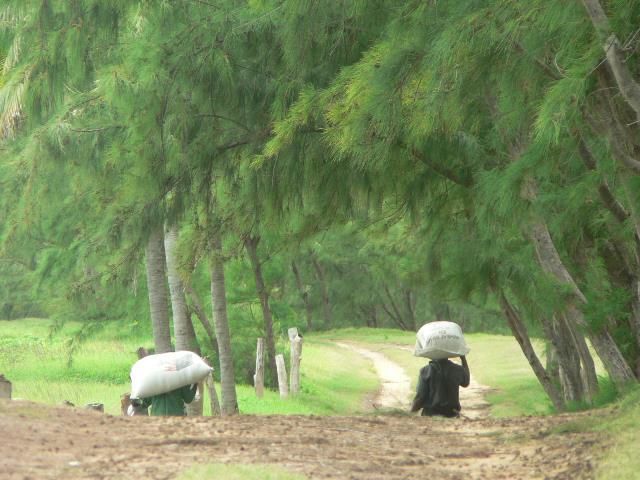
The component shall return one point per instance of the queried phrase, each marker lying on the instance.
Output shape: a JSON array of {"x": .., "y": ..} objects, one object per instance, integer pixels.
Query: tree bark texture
[
  {"x": 251, "y": 245},
  {"x": 221, "y": 323},
  {"x": 157, "y": 286}
]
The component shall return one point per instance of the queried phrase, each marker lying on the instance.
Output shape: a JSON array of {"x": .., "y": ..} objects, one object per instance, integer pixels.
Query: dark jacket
[
  {"x": 438, "y": 385},
  {"x": 171, "y": 403}
]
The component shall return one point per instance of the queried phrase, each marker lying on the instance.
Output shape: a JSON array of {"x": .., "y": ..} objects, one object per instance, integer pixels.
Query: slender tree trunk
[
  {"x": 157, "y": 286},
  {"x": 326, "y": 305},
  {"x": 304, "y": 294},
  {"x": 251, "y": 245},
  {"x": 183, "y": 327},
  {"x": 221, "y": 323},
  {"x": 183, "y": 330},
  {"x": 520, "y": 333}
]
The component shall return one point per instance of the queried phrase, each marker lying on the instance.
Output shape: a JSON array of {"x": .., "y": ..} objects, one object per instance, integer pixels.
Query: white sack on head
[
  {"x": 438, "y": 340},
  {"x": 163, "y": 372}
]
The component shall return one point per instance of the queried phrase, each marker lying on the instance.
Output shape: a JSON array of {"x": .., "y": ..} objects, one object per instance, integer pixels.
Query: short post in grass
[
  {"x": 282, "y": 376},
  {"x": 258, "y": 377},
  {"x": 296, "y": 350},
  {"x": 5, "y": 387}
]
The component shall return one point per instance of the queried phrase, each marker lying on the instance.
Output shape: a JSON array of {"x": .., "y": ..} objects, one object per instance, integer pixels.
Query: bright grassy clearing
[
  {"x": 239, "y": 472},
  {"x": 37, "y": 366}
]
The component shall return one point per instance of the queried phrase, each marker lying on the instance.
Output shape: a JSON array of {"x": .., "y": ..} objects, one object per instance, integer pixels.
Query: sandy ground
[{"x": 41, "y": 442}]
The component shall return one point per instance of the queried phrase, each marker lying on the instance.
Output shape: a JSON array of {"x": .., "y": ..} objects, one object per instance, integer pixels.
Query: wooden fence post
[
  {"x": 5, "y": 387},
  {"x": 282, "y": 376},
  {"x": 258, "y": 377},
  {"x": 296, "y": 352}
]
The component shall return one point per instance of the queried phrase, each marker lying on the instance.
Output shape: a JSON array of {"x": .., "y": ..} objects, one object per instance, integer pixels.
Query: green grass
[
  {"x": 238, "y": 472},
  {"x": 621, "y": 460},
  {"x": 37, "y": 366}
]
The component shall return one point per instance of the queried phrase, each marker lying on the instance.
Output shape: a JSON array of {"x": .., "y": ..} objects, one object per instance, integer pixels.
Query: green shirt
[{"x": 171, "y": 403}]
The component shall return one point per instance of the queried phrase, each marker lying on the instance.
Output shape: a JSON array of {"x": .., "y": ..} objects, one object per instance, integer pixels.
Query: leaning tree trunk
[
  {"x": 520, "y": 333},
  {"x": 251, "y": 245},
  {"x": 221, "y": 322},
  {"x": 157, "y": 286},
  {"x": 304, "y": 294},
  {"x": 612, "y": 359},
  {"x": 572, "y": 378},
  {"x": 183, "y": 330}
]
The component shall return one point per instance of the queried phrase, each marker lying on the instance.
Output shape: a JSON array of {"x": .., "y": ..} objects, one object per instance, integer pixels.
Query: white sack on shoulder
[
  {"x": 438, "y": 340},
  {"x": 163, "y": 372}
]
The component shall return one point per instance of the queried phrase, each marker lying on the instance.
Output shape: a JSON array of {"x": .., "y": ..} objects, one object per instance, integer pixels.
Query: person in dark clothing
[
  {"x": 168, "y": 404},
  {"x": 438, "y": 387}
]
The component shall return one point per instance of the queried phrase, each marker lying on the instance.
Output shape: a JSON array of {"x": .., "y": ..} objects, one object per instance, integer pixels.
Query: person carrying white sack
[
  {"x": 439, "y": 381},
  {"x": 170, "y": 403},
  {"x": 166, "y": 382}
]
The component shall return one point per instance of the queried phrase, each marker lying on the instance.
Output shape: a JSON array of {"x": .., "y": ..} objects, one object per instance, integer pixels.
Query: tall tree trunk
[
  {"x": 221, "y": 323},
  {"x": 520, "y": 333},
  {"x": 326, "y": 305},
  {"x": 251, "y": 245},
  {"x": 183, "y": 330},
  {"x": 304, "y": 294},
  {"x": 157, "y": 286}
]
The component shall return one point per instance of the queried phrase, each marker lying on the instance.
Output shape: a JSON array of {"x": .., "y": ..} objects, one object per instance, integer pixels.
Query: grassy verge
[
  {"x": 37, "y": 366},
  {"x": 621, "y": 459}
]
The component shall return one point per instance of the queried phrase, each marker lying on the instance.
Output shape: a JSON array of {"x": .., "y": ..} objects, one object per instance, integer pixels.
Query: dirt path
[
  {"x": 67, "y": 443},
  {"x": 41, "y": 442},
  {"x": 395, "y": 386}
]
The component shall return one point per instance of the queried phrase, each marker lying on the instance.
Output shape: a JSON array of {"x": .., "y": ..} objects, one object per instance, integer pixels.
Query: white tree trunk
[
  {"x": 221, "y": 323},
  {"x": 157, "y": 286}
]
